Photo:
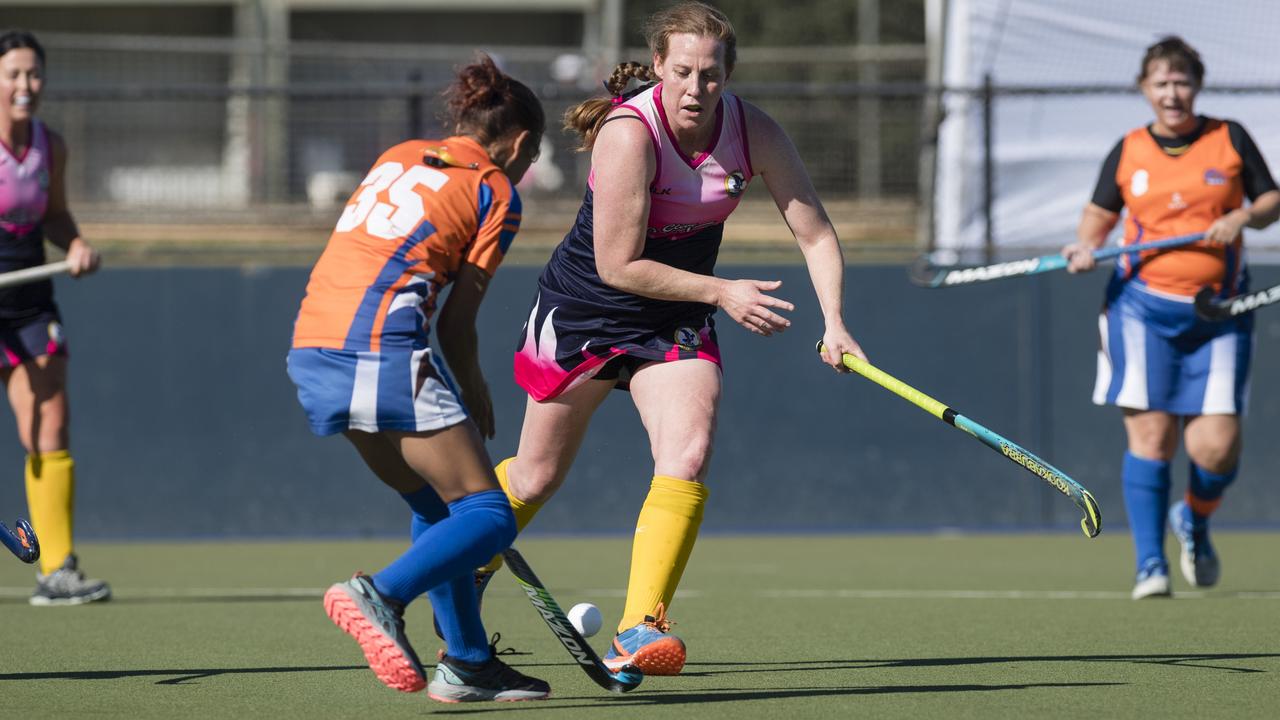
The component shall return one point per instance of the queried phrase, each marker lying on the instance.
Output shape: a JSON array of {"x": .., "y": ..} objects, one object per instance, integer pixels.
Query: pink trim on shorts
[{"x": 544, "y": 379}]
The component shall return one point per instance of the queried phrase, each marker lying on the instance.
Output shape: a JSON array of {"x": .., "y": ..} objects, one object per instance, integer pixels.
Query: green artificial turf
[{"x": 918, "y": 626}]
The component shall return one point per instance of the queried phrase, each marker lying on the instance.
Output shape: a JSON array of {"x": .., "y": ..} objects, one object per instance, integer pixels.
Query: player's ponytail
[
  {"x": 487, "y": 104},
  {"x": 586, "y": 118}
]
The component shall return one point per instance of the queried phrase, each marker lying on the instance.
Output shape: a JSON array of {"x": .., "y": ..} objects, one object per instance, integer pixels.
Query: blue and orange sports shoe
[
  {"x": 648, "y": 647},
  {"x": 1200, "y": 565}
]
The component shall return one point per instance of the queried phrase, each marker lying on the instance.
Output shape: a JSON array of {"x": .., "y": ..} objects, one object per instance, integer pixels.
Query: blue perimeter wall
[{"x": 186, "y": 425}]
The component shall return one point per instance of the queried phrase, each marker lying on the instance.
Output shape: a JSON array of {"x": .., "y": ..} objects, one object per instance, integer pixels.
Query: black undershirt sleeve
[
  {"x": 1106, "y": 194},
  {"x": 1257, "y": 177}
]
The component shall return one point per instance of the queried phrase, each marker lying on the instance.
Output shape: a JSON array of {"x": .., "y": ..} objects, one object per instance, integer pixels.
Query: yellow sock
[
  {"x": 51, "y": 490},
  {"x": 665, "y": 533},
  {"x": 524, "y": 511}
]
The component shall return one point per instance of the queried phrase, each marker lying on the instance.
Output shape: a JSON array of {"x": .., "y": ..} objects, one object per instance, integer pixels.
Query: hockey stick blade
[
  {"x": 925, "y": 274},
  {"x": 1091, "y": 523},
  {"x": 1217, "y": 310},
  {"x": 21, "y": 541},
  {"x": 624, "y": 680}
]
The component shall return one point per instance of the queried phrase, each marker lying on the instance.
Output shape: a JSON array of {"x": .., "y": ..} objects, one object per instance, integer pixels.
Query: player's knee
[
  {"x": 1217, "y": 458},
  {"x": 533, "y": 482},
  {"x": 1152, "y": 445},
  {"x": 689, "y": 460}
]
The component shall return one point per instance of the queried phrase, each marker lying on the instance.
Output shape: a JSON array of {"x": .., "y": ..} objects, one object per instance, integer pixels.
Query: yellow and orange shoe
[{"x": 648, "y": 647}]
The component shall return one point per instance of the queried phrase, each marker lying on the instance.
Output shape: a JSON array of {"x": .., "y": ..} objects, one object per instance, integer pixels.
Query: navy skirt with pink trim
[{"x": 566, "y": 341}]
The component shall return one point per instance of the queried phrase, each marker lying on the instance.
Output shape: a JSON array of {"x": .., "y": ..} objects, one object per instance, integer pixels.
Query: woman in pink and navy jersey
[
  {"x": 33, "y": 350},
  {"x": 628, "y": 298}
]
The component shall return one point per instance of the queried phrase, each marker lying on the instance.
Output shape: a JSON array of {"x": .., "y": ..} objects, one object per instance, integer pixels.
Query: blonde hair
[{"x": 695, "y": 18}]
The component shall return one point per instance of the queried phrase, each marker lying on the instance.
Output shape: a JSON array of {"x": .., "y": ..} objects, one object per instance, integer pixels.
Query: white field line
[
  {"x": 800, "y": 594},
  {"x": 224, "y": 593}
]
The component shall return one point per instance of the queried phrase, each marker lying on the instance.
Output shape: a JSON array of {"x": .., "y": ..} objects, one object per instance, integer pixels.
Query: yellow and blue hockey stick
[
  {"x": 1092, "y": 521},
  {"x": 926, "y": 274}
]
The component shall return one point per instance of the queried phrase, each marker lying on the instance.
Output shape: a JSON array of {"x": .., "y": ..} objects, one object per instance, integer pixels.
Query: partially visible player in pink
[
  {"x": 33, "y": 348},
  {"x": 628, "y": 298},
  {"x": 430, "y": 213}
]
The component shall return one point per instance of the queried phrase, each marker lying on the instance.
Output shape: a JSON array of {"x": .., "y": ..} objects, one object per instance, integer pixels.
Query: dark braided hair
[{"x": 488, "y": 104}]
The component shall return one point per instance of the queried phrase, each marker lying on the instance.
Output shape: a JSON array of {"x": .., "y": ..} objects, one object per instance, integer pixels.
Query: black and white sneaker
[
  {"x": 68, "y": 586},
  {"x": 455, "y": 681}
]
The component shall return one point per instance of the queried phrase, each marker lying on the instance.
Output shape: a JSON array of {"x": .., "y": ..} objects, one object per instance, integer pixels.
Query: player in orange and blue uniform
[
  {"x": 33, "y": 348},
  {"x": 1160, "y": 363},
  {"x": 430, "y": 213}
]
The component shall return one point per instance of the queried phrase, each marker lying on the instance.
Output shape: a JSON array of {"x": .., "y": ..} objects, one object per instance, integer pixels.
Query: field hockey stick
[
  {"x": 1210, "y": 309},
  {"x": 1092, "y": 521},
  {"x": 925, "y": 274},
  {"x": 624, "y": 680},
  {"x": 21, "y": 541},
  {"x": 32, "y": 274}
]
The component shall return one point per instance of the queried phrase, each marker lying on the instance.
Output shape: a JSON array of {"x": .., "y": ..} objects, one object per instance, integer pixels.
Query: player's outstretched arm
[{"x": 776, "y": 160}]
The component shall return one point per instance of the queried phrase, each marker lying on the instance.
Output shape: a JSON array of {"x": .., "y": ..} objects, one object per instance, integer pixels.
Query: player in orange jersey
[
  {"x": 1164, "y": 367},
  {"x": 429, "y": 213}
]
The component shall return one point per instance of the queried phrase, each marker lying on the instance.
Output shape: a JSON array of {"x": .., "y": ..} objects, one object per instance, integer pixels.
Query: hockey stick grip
[{"x": 32, "y": 274}]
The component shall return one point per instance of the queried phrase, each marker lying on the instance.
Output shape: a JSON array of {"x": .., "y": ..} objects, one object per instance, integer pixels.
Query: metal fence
[{"x": 210, "y": 129}]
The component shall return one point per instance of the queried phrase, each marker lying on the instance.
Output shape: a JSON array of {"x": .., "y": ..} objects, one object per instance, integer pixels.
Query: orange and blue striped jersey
[{"x": 426, "y": 207}]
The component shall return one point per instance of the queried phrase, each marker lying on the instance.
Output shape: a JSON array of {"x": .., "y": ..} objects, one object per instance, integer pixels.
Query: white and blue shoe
[
  {"x": 1200, "y": 565},
  {"x": 1152, "y": 580}
]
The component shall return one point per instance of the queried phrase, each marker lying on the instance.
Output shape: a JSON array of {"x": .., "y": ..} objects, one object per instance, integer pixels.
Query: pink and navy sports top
[
  {"x": 689, "y": 200},
  {"x": 24, "y": 198}
]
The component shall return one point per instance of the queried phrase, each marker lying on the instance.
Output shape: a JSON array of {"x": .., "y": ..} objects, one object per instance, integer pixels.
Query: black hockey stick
[
  {"x": 624, "y": 680},
  {"x": 1211, "y": 309}
]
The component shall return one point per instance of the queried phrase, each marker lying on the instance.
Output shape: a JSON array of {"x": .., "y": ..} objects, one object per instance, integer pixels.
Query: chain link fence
[{"x": 209, "y": 131}]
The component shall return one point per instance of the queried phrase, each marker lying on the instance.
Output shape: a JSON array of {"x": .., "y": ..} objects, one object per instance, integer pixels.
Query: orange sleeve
[{"x": 499, "y": 222}]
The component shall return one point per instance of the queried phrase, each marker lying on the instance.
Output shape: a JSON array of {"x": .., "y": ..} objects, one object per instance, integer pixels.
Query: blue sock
[
  {"x": 1207, "y": 487},
  {"x": 1146, "y": 497},
  {"x": 441, "y": 561},
  {"x": 428, "y": 509}
]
